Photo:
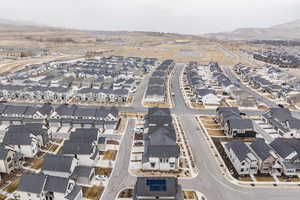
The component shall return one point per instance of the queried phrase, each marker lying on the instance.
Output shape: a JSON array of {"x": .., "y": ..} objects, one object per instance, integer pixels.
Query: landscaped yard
[
  {"x": 103, "y": 171},
  {"x": 93, "y": 192},
  {"x": 264, "y": 178},
  {"x": 189, "y": 195},
  {"x": 37, "y": 163},
  {"x": 215, "y": 132},
  {"x": 127, "y": 193},
  {"x": 110, "y": 155},
  {"x": 13, "y": 186},
  {"x": 294, "y": 179},
  {"x": 2, "y": 197},
  {"x": 246, "y": 178}
]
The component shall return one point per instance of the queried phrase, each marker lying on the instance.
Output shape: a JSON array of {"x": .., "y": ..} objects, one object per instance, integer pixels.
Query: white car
[{"x": 100, "y": 177}]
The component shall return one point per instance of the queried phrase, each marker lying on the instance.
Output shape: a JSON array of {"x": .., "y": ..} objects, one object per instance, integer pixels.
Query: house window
[
  {"x": 243, "y": 163},
  {"x": 152, "y": 165}
]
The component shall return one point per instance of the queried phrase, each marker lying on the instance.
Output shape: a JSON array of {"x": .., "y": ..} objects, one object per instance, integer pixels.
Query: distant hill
[
  {"x": 284, "y": 31},
  {"x": 16, "y": 23}
]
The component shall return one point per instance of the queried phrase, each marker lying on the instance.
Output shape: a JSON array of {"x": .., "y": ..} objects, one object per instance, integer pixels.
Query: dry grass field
[{"x": 181, "y": 48}]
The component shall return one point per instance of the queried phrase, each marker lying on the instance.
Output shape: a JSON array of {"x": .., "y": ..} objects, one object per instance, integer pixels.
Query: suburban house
[
  {"x": 288, "y": 152},
  {"x": 43, "y": 112},
  {"x": 225, "y": 113},
  {"x": 267, "y": 158},
  {"x": 234, "y": 125},
  {"x": 45, "y": 187},
  {"x": 83, "y": 175},
  {"x": 161, "y": 152},
  {"x": 83, "y": 145},
  {"x": 8, "y": 161},
  {"x": 238, "y": 127},
  {"x": 241, "y": 157},
  {"x": 59, "y": 165},
  {"x": 157, "y": 188},
  {"x": 26, "y": 139},
  {"x": 207, "y": 96},
  {"x": 283, "y": 122},
  {"x": 155, "y": 94}
]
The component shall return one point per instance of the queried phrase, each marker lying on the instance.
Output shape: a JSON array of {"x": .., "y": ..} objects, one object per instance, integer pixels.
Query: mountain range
[{"x": 286, "y": 31}]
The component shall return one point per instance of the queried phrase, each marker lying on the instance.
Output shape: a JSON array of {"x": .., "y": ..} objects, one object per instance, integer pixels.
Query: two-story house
[{"x": 241, "y": 157}]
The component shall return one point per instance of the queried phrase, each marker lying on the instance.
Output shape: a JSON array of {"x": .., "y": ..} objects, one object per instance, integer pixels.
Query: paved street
[
  {"x": 209, "y": 181},
  {"x": 227, "y": 70},
  {"x": 120, "y": 177}
]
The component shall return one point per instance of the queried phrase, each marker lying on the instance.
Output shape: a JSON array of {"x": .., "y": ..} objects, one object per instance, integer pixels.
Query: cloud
[{"x": 184, "y": 16}]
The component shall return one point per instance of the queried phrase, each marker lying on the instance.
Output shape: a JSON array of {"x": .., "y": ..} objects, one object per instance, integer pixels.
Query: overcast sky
[{"x": 181, "y": 16}]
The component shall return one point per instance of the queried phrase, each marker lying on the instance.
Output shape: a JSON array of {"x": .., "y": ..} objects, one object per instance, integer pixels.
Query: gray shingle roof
[
  {"x": 239, "y": 148},
  {"x": 240, "y": 123},
  {"x": 71, "y": 147},
  {"x": 261, "y": 149},
  {"x": 282, "y": 147},
  {"x": 57, "y": 163},
  {"x": 56, "y": 184},
  {"x": 32, "y": 183},
  {"x": 82, "y": 171}
]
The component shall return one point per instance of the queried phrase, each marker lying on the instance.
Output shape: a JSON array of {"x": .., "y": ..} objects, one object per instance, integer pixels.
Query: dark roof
[
  {"x": 156, "y": 186},
  {"x": 56, "y": 184},
  {"x": 282, "y": 147},
  {"x": 155, "y": 90},
  {"x": 82, "y": 171},
  {"x": 156, "y": 81},
  {"x": 59, "y": 163},
  {"x": 32, "y": 183},
  {"x": 240, "y": 123},
  {"x": 261, "y": 149},
  {"x": 74, "y": 193},
  {"x": 3, "y": 152},
  {"x": 163, "y": 151},
  {"x": 220, "y": 110},
  {"x": 239, "y": 148},
  {"x": 71, "y": 147},
  {"x": 155, "y": 111},
  {"x": 15, "y": 109},
  {"x": 295, "y": 144},
  {"x": 45, "y": 109},
  {"x": 205, "y": 91},
  {"x": 84, "y": 135}
]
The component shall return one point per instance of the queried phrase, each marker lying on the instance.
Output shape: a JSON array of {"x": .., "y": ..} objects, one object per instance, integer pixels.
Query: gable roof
[
  {"x": 32, "y": 183},
  {"x": 240, "y": 149},
  {"x": 45, "y": 109},
  {"x": 56, "y": 184},
  {"x": 261, "y": 149},
  {"x": 59, "y": 163},
  {"x": 240, "y": 123},
  {"x": 282, "y": 147},
  {"x": 74, "y": 147}
]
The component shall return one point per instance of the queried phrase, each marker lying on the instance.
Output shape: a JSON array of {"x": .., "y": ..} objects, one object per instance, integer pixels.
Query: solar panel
[{"x": 156, "y": 184}]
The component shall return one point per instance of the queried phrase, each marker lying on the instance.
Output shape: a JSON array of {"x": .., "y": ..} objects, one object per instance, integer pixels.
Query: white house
[
  {"x": 45, "y": 187},
  {"x": 241, "y": 157}
]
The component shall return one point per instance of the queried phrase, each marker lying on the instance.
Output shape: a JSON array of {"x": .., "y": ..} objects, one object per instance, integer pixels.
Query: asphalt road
[
  {"x": 120, "y": 177},
  {"x": 228, "y": 71}
]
